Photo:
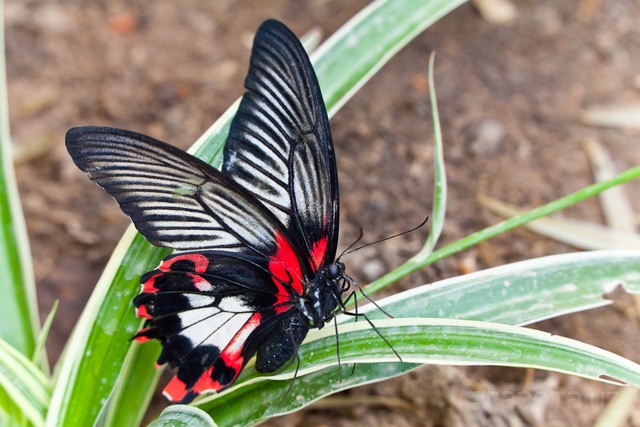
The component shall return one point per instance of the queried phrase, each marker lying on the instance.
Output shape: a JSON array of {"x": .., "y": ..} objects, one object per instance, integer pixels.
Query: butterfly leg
[
  {"x": 335, "y": 324},
  {"x": 355, "y": 319},
  {"x": 293, "y": 380},
  {"x": 343, "y": 309},
  {"x": 370, "y": 300}
]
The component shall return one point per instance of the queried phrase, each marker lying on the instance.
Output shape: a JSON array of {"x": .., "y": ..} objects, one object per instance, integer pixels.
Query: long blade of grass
[
  {"x": 619, "y": 409},
  {"x": 516, "y": 221},
  {"x": 428, "y": 341},
  {"x": 440, "y": 175},
  {"x": 38, "y": 354},
  {"x": 368, "y": 41},
  {"x": 619, "y": 215},
  {"x": 97, "y": 349},
  {"x": 615, "y": 204},
  {"x": 19, "y": 324},
  {"x": 135, "y": 390},
  {"x": 27, "y": 387},
  {"x": 580, "y": 234},
  {"x": 100, "y": 341}
]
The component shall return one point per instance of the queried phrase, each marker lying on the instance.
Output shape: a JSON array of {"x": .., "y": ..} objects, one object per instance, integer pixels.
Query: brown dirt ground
[{"x": 171, "y": 68}]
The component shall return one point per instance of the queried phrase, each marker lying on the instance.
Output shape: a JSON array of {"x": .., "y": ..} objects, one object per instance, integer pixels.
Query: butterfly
[{"x": 254, "y": 266}]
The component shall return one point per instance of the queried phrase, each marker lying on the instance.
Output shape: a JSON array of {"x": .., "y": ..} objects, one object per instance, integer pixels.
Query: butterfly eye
[{"x": 335, "y": 270}]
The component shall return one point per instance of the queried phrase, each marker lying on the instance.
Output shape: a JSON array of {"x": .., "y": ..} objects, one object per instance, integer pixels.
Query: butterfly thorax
[{"x": 324, "y": 294}]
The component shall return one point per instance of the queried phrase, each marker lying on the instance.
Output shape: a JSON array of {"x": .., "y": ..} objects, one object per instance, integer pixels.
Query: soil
[{"x": 508, "y": 95}]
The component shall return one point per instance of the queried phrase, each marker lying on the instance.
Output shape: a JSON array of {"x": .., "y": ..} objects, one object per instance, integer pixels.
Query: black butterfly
[{"x": 255, "y": 267}]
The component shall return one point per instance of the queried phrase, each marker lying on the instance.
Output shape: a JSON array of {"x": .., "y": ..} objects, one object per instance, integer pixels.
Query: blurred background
[{"x": 513, "y": 92}]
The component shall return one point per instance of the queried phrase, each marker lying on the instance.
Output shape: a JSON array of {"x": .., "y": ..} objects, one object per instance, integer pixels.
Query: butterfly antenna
[
  {"x": 349, "y": 250},
  {"x": 360, "y": 234}
]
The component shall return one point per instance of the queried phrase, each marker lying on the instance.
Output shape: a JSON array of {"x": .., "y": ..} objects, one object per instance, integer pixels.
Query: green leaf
[
  {"x": 522, "y": 292},
  {"x": 429, "y": 341},
  {"x": 230, "y": 409},
  {"x": 514, "y": 294},
  {"x": 39, "y": 352},
  {"x": 440, "y": 175},
  {"x": 27, "y": 387},
  {"x": 19, "y": 324},
  {"x": 135, "y": 390},
  {"x": 101, "y": 339},
  {"x": 183, "y": 416},
  {"x": 97, "y": 349},
  {"x": 351, "y": 56}
]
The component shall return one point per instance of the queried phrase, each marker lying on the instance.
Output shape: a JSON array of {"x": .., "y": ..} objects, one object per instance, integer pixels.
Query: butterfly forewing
[
  {"x": 174, "y": 199},
  {"x": 279, "y": 145}
]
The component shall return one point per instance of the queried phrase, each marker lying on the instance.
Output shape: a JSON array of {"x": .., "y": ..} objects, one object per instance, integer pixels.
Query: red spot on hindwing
[
  {"x": 232, "y": 353},
  {"x": 143, "y": 312},
  {"x": 200, "y": 282},
  {"x": 149, "y": 287},
  {"x": 141, "y": 335},
  {"x": 200, "y": 262},
  {"x": 176, "y": 390},
  {"x": 205, "y": 382}
]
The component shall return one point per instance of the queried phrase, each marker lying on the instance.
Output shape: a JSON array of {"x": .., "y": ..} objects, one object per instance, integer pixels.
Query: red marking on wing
[
  {"x": 232, "y": 352},
  {"x": 318, "y": 251},
  {"x": 284, "y": 265},
  {"x": 232, "y": 357},
  {"x": 205, "y": 382},
  {"x": 142, "y": 312},
  {"x": 140, "y": 336},
  {"x": 200, "y": 283},
  {"x": 175, "y": 390},
  {"x": 149, "y": 286},
  {"x": 200, "y": 261}
]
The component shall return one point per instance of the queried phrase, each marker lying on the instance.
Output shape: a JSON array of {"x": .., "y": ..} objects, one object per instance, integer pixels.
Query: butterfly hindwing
[
  {"x": 212, "y": 311},
  {"x": 280, "y": 147}
]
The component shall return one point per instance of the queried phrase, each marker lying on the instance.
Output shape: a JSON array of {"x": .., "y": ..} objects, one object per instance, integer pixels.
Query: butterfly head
[
  {"x": 324, "y": 296},
  {"x": 335, "y": 271}
]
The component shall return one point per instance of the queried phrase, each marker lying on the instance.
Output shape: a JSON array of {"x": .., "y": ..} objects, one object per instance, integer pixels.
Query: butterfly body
[
  {"x": 254, "y": 268},
  {"x": 324, "y": 294}
]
